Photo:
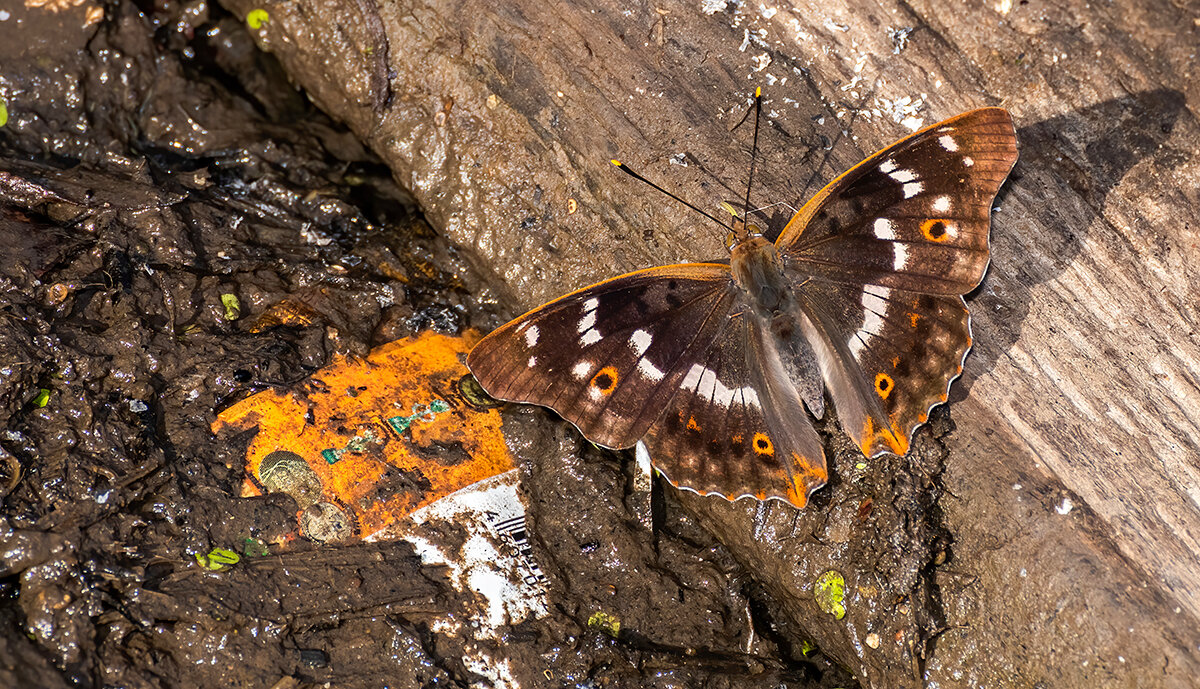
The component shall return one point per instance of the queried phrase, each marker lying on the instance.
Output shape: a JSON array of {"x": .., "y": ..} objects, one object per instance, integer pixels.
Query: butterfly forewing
[
  {"x": 914, "y": 216},
  {"x": 879, "y": 260},
  {"x": 608, "y": 357},
  {"x": 737, "y": 426}
]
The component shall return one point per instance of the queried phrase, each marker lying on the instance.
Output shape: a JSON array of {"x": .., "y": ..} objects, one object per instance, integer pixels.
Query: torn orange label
[{"x": 375, "y": 438}]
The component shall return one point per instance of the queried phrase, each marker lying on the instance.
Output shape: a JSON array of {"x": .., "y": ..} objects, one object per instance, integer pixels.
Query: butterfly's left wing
[
  {"x": 609, "y": 357},
  {"x": 879, "y": 260}
]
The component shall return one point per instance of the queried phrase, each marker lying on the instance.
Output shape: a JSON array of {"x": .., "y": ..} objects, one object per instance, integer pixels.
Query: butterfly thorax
[{"x": 757, "y": 270}]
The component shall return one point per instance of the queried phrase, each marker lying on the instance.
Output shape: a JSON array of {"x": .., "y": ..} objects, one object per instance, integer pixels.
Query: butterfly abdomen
[{"x": 768, "y": 296}]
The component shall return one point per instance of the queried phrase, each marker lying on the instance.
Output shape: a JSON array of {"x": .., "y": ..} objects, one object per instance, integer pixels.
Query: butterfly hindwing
[
  {"x": 737, "y": 426},
  {"x": 892, "y": 356},
  {"x": 608, "y": 357},
  {"x": 879, "y": 260}
]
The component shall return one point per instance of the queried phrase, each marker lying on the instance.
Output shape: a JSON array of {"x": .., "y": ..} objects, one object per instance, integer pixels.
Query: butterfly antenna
[
  {"x": 753, "y": 149},
  {"x": 625, "y": 168}
]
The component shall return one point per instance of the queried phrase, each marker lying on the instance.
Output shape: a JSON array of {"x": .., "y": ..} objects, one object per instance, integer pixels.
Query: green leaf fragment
[
  {"x": 257, "y": 18},
  {"x": 830, "y": 593},
  {"x": 42, "y": 399},
  {"x": 609, "y": 624},
  {"x": 218, "y": 559},
  {"x": 233, "y": 307}
]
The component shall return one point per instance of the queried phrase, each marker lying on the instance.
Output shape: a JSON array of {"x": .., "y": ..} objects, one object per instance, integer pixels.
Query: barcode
[{"x": 513, "y": 529}]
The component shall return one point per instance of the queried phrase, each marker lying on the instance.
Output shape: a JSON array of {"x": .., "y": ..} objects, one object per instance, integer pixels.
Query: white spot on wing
[
  {"x": 884, "y": 229},
  {"x": 875, "y": 305},
  {"x": 872, "y": 322},
  {"x": 912, "y": 189},
  {"x": 591, "y": 304},
  {"x": 900, "y": 257},
  {"x": 723, "y": 395},
  {"x": 875, "y": 299},
  {"x": 887, "y": 166},
  {"x": 942, "y": 204},
  {"x": 588, "y": 320},
  {"x": 640, "y": 341},
  {"x": 692, "y": 378},
  {"x": 903, "y": 176},
  {"x": 531, "y": 336},
  {"x": 750, "y": 396},
  {"x": 532, "y": 361},
  {"x": 855, "y": 344},
  {"x": 948, "y": 142},
  {"x": 708, "y": 383},
  {"x": 968, "y": 161},
  {"x": 582, "y": 369},
  {"x": 649, "y": 370},
  {"x": 590, "y": 337},
  {"x": 704, "y": 383}
]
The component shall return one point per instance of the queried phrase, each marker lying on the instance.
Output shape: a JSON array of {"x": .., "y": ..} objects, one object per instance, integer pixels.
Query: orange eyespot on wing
[
  {"x": 938, "y": 229},
  {"x": 763, "y": 445},
  {"x": 883, "y": 385},
  {"x": 605, "y": 381}
]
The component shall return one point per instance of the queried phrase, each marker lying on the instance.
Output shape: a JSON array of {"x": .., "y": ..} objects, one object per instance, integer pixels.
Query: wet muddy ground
[{"x": 153, "y": 162}]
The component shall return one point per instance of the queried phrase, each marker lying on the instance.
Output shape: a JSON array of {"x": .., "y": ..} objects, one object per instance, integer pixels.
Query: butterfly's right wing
[
  {"x": 609, "y": 357},
  {"x": 879, "y": 260},
  {"x": 737, "y": 426}
]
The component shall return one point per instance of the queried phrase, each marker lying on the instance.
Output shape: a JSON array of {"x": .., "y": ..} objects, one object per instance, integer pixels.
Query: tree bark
[{"x": 1070, "y": 486}]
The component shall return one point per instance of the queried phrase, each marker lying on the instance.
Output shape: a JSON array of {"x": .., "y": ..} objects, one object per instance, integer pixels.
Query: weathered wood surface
[{"x": 1073, "y": 478}]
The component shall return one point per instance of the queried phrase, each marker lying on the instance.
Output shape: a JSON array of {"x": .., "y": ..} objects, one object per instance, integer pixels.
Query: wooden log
[{"x": 1071, "y": 485}]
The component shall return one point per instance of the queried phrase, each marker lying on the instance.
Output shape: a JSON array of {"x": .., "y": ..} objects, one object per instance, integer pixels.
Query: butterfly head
[{"x": 739, "y": 231}]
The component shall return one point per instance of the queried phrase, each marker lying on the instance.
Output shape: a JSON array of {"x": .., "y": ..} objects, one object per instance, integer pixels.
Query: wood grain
[{"x": 1073, "y": 480}]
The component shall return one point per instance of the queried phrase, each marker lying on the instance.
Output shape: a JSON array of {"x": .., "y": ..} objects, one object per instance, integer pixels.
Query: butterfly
[{"x": 713, "y": 365}]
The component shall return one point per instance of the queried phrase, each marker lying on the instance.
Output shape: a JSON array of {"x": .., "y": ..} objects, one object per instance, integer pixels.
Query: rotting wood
[{"x": 1073, "y": 479}]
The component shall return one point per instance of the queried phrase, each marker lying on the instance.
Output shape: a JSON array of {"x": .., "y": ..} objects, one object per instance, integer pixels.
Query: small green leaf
[
  {"x": 3, "y": 112},
  {"x": 42, "y": 399},
  {"x": 609, "y": 624},
  {"x": 257, "y": 18},
  {"x": 830, "y": 593},
  {"x": 218, "y": 559},
  {"x": 233, "y": 307}
]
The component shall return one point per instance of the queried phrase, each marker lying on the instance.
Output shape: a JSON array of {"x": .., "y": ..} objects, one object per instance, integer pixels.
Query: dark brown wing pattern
[
  {"x": 609, "y": 357},
  {"x": 880, "y": 258},
  {"x": 737, "y": 426}
]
